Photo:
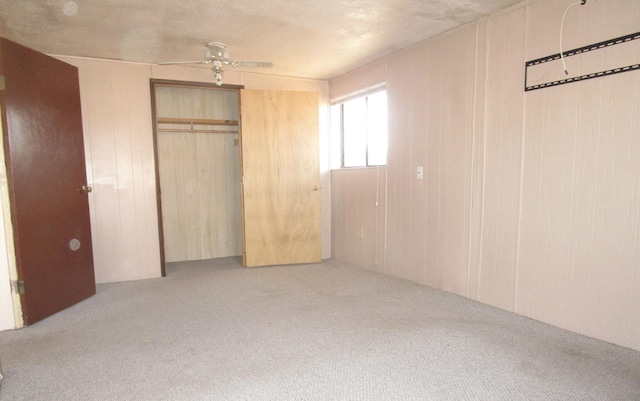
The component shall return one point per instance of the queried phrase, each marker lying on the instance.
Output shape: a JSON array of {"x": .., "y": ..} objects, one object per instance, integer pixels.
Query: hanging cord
[{"x": 580, "y": 3}]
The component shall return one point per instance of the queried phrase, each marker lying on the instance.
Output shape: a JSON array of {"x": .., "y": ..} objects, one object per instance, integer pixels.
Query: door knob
[
  {"x": 316, "y": 188},
  {"x": 86, "y": 188}
]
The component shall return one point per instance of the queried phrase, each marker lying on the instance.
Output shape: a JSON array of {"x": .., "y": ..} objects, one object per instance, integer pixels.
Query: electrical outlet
[{"x": 420, "y": 173}]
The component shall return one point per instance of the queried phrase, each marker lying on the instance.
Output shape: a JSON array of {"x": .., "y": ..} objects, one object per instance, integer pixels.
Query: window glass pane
[
  {"x": 377, "y": 129},
  {"x": 361, "y": 123},
  {"x": 336, "y": 134},
  {"x": 354, "y": 134}
]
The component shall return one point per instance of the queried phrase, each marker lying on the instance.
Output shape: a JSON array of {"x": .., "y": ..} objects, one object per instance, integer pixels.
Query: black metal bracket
[{"x": 581, "y": 50}]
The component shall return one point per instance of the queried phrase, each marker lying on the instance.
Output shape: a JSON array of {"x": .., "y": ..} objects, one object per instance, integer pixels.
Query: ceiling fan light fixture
[
  {"x": 218, "y": 70},
  {"x": 218, "y": 51},
  {"x": 217, "y": 55}
]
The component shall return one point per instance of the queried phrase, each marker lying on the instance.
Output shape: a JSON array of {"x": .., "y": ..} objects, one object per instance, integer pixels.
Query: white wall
[
  {"x": 531, "y": 201},
  {"x": 116, "y": 112}
]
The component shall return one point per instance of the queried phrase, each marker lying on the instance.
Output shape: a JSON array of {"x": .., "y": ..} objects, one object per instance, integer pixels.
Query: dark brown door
[{"x": 44, "y": 151}]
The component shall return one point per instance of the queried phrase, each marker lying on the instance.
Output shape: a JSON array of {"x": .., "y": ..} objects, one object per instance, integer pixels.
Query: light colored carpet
[{"x": 212, "y": 330}]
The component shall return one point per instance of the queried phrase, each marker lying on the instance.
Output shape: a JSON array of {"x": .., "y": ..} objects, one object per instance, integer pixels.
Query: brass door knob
[{"x": 86, "y": 188}]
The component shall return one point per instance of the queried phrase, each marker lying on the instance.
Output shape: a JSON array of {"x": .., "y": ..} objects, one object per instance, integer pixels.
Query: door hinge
[
  {"x": 17, "y": 287},
  {"x": 2, "y": 83}
]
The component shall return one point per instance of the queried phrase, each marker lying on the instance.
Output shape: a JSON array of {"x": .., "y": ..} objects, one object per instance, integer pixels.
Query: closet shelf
[{"x": 196, "y": 121}]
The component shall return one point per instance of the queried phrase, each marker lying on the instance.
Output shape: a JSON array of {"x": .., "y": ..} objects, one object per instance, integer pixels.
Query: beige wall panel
[
  {"x": 588, "y": 119},
  {"x": 422, "y": 260},
  {"x": 103, "y": 201},
  {"x": 434, "y": 92},
  {"x": 118, "y": 142},
  {"x": 127, "y": 146},
  {"x": 448, "y": 119},
  {"x": 547, "y": 203},
  {"x": 395, "y": 92},
  {"x": 274, "y": 82},
  {"x": 622, "y": 18},
  {"x": 358, "y": 216},
  {"x": 373, "y": 229},
  {"x": 477, "y": 161},
  {"x": 339, "y": 214},
  {"x": 358, "y": 80},
  {"x": 429, "y": 228},
  {"x": 624, "y": 105},
  {"x": 547, "y": 191},
  {"x": 617, "y": 202},
  {"x": 503, "y": 158},
  {"x": 402, "y": 226},
  {"x": 345, "y": 230},
  {"x": 455, "y": 168}
]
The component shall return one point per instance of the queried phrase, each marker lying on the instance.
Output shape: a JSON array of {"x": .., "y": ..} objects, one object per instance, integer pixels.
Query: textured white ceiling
[{"x": 303, "y": 38}]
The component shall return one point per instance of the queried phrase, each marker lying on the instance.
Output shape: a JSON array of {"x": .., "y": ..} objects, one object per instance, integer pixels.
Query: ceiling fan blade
[
  {"x": 251, "y": 64},
  {"x": 183, "y": 62}
]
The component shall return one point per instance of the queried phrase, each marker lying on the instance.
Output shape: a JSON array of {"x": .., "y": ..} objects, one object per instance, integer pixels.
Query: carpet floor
[{"x": 212, "y": 330}]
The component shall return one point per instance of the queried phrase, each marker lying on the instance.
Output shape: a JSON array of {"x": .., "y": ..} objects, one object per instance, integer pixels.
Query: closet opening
[{"x": 196, "y": 135}]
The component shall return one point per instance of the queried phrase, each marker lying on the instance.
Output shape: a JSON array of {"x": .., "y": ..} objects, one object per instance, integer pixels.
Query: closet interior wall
[{"x": 199, "y": 169}]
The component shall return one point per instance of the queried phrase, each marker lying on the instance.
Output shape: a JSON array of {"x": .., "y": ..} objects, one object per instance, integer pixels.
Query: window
[{"x": 362, "y": 126}]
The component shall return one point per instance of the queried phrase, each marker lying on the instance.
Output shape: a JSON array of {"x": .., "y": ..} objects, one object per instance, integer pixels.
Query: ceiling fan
[{"x": 217, "y": 55}]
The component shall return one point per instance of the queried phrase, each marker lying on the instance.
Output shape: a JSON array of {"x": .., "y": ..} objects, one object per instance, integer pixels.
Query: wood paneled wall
[
  {"x": 358, "y": 210},
  {"x": 200, "y": 182},
  {"x": 116, "y": 113},
  {"x": 530, "y": 201}
]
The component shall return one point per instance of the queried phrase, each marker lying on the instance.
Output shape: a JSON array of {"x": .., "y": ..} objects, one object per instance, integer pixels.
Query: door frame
[
  {"x": 153, "y": 83},
  {"x": 14, "y": 306}
]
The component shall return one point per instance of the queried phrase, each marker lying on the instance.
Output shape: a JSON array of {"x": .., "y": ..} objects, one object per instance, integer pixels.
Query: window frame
[{"x": 341, "y": 103}]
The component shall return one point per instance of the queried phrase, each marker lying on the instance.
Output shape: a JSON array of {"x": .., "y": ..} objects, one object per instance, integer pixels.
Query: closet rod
[
  {"x": 195, "y": 121},
  {"x": 198, "y": 131}
]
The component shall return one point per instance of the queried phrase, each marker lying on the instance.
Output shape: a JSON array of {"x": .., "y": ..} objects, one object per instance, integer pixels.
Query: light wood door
[
  {"x": 44, "y": 150},
  {"x": 280, "y": 168}
]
